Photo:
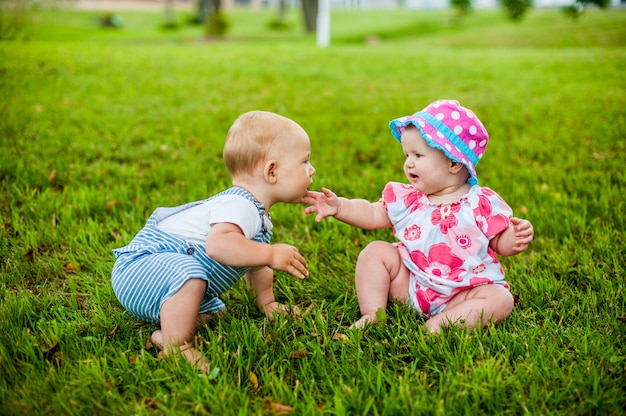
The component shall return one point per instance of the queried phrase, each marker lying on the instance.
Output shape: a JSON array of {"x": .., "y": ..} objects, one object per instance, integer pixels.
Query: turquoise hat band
[{"x": 450, "y": 135}]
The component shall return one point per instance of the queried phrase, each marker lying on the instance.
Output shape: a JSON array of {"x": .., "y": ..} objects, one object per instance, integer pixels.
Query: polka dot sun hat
[{"x": 447, "y": 126}]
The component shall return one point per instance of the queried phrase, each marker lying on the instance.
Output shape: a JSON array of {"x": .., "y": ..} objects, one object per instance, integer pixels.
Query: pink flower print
[
  {"x": 412, "y": 233},
  {"x": 444, "y": 216},
  {"x": 412, "y": 201},
  {"x": 479, "y": 281},
  {"x": 426, "y": 298},
  {"x": 490, "y": 225},
  {"x": 488, "y": 191},
  {"x": 481, "y": 212},
  {"x": 493, "y": 256},
  {"x": 441, "y": 262},
  {"x": 466, "y": 241},
  {"x": 389, "y": 195},
  {"x": 479, "y": 269}
]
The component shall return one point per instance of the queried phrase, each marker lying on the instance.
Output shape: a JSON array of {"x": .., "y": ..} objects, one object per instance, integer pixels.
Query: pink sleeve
[
  {"x": 399, "y": 200},
  {"x": 492, "y": 213},
  {"x": 389, "y": 194}
]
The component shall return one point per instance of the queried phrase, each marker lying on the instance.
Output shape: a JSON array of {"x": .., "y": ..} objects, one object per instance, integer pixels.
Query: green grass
[{"x": 99, "y": 127}]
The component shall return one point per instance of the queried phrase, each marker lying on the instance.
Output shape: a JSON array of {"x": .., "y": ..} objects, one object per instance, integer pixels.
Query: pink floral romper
[{"x": 446, "y": 247}]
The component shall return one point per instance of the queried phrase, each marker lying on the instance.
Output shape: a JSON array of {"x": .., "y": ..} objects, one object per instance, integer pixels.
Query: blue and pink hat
[{"x": 453, "y": 129}]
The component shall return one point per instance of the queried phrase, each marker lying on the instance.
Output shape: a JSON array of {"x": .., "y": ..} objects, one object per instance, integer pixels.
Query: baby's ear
[
  {"x": 269, "y": 171},
  {"x": 455, "y": 167}
]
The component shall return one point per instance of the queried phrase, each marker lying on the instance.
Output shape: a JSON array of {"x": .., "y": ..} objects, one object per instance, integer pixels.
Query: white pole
[{"x": 323, "y": 23}]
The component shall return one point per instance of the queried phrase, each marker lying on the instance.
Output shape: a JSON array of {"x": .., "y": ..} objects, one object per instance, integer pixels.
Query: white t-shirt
[{"x": 193, "y": 224}]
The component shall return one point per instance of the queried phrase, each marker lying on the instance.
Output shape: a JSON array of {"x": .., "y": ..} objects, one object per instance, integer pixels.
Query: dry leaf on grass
[
  {"x": 340, "y": 337},
  {"x": 297, "y": 354},
  {"x": 254, "y": 380},
  {"x": 277, "y": 408},
  {"x": 114, "y": 331}
]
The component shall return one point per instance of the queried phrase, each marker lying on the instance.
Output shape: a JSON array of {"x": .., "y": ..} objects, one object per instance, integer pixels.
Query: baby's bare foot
[
  {"x": 280, "y": 309},
  {"x": 191, "y": 354},
  {"x": 365, "y": 320},
  {"x": 157, "y": 339}
]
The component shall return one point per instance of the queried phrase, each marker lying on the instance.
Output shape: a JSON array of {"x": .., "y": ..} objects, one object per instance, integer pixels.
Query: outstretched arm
[
  {"x": 514, "y": 239},
  {"x": 357, "y": 212}
]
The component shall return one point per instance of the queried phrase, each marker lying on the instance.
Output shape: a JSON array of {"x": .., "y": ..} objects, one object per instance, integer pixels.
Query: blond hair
[{"x": 251, "y": 137}]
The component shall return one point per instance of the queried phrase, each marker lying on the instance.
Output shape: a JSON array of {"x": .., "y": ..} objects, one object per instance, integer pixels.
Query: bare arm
[
  {"x": 514, "y": 239},
  {"x": 227, "y": 244},
  {"x": 356, "y": 212}
]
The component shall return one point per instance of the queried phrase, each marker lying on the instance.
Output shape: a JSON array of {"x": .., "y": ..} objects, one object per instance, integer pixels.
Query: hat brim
[{"x": 435, "y": 139}]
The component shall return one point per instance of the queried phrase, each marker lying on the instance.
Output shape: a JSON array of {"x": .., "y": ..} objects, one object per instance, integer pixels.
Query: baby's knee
[
  {"x": 502, "y": 298},
  {"x": 377, "y": 250}
]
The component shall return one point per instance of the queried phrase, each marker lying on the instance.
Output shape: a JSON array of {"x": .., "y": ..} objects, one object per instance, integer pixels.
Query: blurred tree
[
  {"x": 516, "y": 9},
  {"x": 309, "y": 9},
  {"x": 170, "y": 18},
  {"x": 280, "y": 22},
  {"x": 210, "y": 15},
  {"x": 205, "y": 8},
  {"x": 215, "y": 22},
  {"x": 574, "y": 11},
  {"x": 463, "y": 7},
  {"x": 282, "y": 10}
]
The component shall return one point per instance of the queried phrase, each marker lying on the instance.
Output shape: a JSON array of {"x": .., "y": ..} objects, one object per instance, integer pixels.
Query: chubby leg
[
  {"x": 179, "y": 323},
  {"x": 380, "y": 276},
  {"x": 474, "y": 307}
]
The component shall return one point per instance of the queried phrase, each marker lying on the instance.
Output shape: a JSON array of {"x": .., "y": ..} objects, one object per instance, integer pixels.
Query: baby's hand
[
  {"x": 288, "y": 259},
  {"x": 325, "y": 203},
  {"x": 523, "y": 233}
]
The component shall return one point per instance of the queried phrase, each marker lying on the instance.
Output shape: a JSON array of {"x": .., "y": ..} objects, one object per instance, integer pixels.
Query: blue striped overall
[{"x": 155, "y": 265}]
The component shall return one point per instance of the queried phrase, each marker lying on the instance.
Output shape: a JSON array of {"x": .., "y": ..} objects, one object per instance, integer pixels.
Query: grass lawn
[{"x": 100, "y": 126}]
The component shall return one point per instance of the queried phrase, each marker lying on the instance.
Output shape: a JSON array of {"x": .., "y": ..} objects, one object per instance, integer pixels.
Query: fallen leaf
[
  {"x": 277, "y": 407},
  {"x": 114, "y": 331},
  {"x": 52, "y": 175},
  {"x": 340, "y": 337},
  {"x": 132, "y": 359},
  {"x": 151, "y": 403},
  {"x": 29, "y": 256},
  {"x": 71, "y": 267},
  {"x": 298, "y": 354},
  {"x": 254, "y": 380},
  {"x": 112, "y": 203},
  {"x": 51, "y": 350}
]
